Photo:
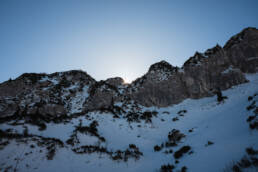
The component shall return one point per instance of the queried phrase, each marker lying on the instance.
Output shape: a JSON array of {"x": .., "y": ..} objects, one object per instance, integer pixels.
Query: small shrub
[
  {"x": 174, "y": 136},
  {"x": 209, "y": 143},
  {"x": 256, "y": 111},
  {"x": 175, "y": 119},
  {"x": 254, "y": 161},
  {"x": 254, "y": 125},
  {"x": 132, "y": 146},
  {"x": 181, "y": 111},
  {"x": 251, "y": 151},
  {"x": 251, "y": 106},
  {"x": 236, "y": 168},
  {"x": 42, "y": 126},
  {"x": 181, "y": 151},
  {"x": 147, "y": 115},
  {"x": 250, "y": 118},
  {"x": 157, "y": 148},
  {"x": 220, "y": 97},
  {"x": 51, "y": 153},
  {"x": 250, "y": 98},
  {"x": 167, "y": 168},
  {"x": 183, "y": 169},
  {"x": 244, "y": 163}
]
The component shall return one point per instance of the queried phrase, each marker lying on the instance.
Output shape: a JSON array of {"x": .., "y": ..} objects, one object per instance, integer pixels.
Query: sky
[{"x": 110, "y": 38}]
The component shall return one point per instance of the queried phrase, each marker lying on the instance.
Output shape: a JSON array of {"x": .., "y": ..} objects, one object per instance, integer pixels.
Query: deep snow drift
[{"x": 216, "y": 133}]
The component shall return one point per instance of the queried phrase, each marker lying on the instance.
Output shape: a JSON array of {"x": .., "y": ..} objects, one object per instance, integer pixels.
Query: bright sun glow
[{"x": 127, "y": 81}]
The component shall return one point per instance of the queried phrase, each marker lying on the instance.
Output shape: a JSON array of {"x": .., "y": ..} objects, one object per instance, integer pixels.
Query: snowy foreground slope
[{"x": 218, "y": 135}]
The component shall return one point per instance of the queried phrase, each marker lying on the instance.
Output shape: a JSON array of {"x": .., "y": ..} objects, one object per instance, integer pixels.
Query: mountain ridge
[
  {"x": 163, "y": 85},
  {"x": 202, "y": 116}
]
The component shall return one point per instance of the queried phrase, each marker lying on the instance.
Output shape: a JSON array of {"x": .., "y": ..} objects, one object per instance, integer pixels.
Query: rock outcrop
[
  {"x": 218, "y": 67},
  {"x": 52, "y": 96},
  {"x": 242, "y": 50}
]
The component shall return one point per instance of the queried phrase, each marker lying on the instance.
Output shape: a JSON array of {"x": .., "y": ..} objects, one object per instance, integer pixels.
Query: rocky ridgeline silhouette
[{"x": 54, "y": 97}]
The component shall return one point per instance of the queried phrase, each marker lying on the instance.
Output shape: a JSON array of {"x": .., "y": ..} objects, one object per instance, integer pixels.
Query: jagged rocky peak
[
  {"x": 213, "y": 50},
  {"x": 195, "y": 60},
  {"x": 160, "y": 71},
  {"x": 242, "y": 50},
  {"x": 246, "y": 35},
  {"x": 69, "y": 76},
  {"x": 74, "y": 76},
  {"x": 199, "y": 57},
  {"x": 162, "y": 66},
  {"x": 57, "y": 94},
  {"x": 116, "y": 81}
]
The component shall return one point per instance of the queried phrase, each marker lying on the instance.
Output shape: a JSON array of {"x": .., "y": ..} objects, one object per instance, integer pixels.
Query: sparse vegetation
[
  {"x": 91, "y": 129},
  {"x": 251, "y": 106},
  {"x": 167, "y": 168},
  {"x": 157, "y": 148},
  {"x": 252, "y": 119},
  {"x": 220, "y": 97},
  {"x": 184, "y": 169},
  {"x": 175, "y": 119},
  {"x": 51, "y": 144},
  {"x": 249, "y": 160},
  {"x": 174, "y": 136},
  {"x": 209, "y": 143},
  {"x": 131, "y": 152},
  {"x": 251, "y": 151},
  {"x": 181, "y": 151},
  {"x": 181, "y": 111},
  {"x": 147, "y": 115}
]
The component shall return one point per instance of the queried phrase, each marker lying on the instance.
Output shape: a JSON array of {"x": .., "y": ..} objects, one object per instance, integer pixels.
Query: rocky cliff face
[
  {"x": 59, "y": 95},
  {"x": 242, "y": 50},
  {"x": 218, "y": 67}
]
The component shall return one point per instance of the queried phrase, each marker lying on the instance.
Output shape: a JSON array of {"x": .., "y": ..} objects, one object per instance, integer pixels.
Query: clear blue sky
[{"x": 109, "y": 38}]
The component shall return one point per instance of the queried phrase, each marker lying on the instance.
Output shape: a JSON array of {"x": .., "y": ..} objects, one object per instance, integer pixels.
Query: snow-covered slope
[{"x": 216, "y": 133}]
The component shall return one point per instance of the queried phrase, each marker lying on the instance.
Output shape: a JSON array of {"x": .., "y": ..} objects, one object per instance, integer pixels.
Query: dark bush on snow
[
  {"x": 250, "y": 118},
  {"x": 250, "y": 98},
  {"x": 236, "y": 168},
  {"x": 132, "y": 152},
  {"x": 220, "y": 97},
  {"x": 91, "y": 129},
  {"x": 174, "y": 136},
  {"x": 251, "y": 151},
  {"x": 244, "y": 163},
  {"x": 209, "y": 143},
  {"x": 157, "y": 148},
  {"x": 181, "y": 151},
  {"x": 251, "y": 106},
  {"x": 132, "y": 146},
  {"x": 247, "y": 161},
  {"x": 175, "y": 119},
  {"x": 147, "y": 115},
  {"x": 167, "y": 168},
  {"x": 183, "y": 169},
  {"x": 132, "y": 117},
  {"x": 181, "y": 111},
  {"x": 254, "y": 125}
]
